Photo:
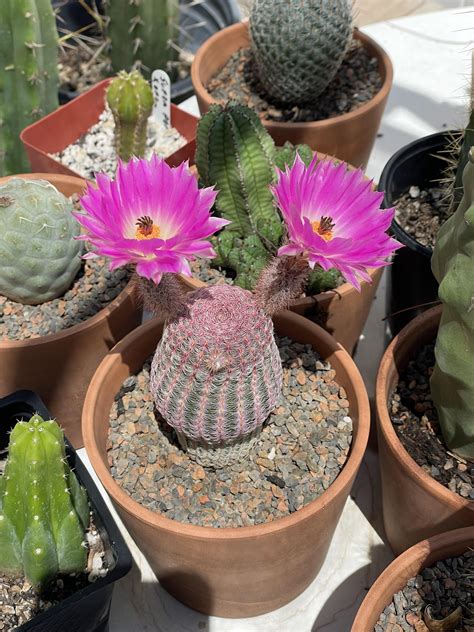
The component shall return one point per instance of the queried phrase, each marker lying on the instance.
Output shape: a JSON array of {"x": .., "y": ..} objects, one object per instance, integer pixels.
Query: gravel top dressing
[
  {"x": 95, "y": 150},
  {"x": 357, "y": 81},
  {"x": 415, "y": 420},
  {"x": 446, "y": 588},
  {"x": 300, "y": 452},
  {"x": 93, "y": 289}
]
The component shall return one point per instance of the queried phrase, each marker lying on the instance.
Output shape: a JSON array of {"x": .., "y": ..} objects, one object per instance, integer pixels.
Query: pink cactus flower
[
  {"x": 151, "y": 215},
  {"x": 334, "y": 218}
]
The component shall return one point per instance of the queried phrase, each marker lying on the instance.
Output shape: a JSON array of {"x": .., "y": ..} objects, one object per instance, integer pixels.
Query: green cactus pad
[
  {"x": 40, "y": 257},
  {"x": 285, "y": 156}
]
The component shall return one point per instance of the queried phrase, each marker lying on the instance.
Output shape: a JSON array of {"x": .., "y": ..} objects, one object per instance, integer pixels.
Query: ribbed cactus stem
[
  {"x": 143, "y": 33},
  {"x": 452, "y": 382},
  {"x": 43, "y": 510},
  {"x": 28, "y": 74},
  {"x": 130, "y": 99}
]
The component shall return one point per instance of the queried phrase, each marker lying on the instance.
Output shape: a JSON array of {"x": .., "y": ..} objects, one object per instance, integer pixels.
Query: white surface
[{"x": 431, "y": 57}]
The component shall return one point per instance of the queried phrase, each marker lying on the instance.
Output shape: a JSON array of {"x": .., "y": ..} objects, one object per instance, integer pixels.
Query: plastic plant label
[{"x": 161, "y": 86}]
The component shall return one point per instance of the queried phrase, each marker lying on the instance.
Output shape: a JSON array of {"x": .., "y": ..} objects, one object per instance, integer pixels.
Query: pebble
[{"x": 255, "y": 491}]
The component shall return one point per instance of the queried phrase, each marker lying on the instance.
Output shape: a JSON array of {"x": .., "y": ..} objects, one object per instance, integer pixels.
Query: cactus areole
[{"x": 216, "y": 374}]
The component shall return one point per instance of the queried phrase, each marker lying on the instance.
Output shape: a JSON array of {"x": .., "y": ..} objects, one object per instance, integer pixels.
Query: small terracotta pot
[
  {"x": 415, "y": 506},
  {"x": 230, "y": 572},
  {"x": 59, "y": 366},
  {"x": 408, "y": 565},
  {"x": 342, "y": 312},
  {"x": 68, "y": 123},
  {"x": 349, "y": 137}
]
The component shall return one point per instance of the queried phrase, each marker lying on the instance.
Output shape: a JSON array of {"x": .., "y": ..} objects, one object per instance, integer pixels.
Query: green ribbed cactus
[
  {"x": 143, "y": 33},
  {"x": 298, "y": 45},
  {"x": 38, "y": 253},
  {"x": 452, "y": 382},
  {"x": 467, "y": 143},
  {"x": 28, "y": 74},
  {"x": 130, "y": 99},
  {"x": 44, "y": 512}
]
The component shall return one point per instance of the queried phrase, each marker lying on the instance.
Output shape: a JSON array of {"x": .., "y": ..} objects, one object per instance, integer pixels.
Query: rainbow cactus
[
  {"x": 130, "y": 99},
  {"x": 44, "y": 512},
  {"x": 216, "y": 374},
  {"x": 452, "y": 382}
]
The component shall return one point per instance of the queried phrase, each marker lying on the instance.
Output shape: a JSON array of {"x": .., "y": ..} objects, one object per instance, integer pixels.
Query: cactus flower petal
[
  {"x": 151, "y": 215},
  {"x": 333, "y": 218}
]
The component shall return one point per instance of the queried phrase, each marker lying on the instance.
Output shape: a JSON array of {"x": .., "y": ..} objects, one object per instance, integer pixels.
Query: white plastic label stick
[{"x": 161, "y": 86}]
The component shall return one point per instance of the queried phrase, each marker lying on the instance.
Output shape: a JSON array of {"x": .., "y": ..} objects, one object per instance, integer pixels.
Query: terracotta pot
[
  {"x": 64, "y": 126},
  {"x": 342, "y": 312},
  {"x": 415, "y": 506},
  {"x": 409, "y": 564},
  {"x": 231, "y": 572},
  {"x": 59, "y": 366},
  {"x": 349, "y": 137}
]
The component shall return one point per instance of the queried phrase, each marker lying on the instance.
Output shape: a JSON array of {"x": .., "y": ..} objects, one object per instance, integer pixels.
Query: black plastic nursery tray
[{"x": 88, "y": 609}]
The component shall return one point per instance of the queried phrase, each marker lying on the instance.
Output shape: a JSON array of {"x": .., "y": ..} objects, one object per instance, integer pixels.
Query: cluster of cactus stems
[
  {"x": 452, "y": 382},
  {"x": 28, "y": 74},
  {"x": 235, "y": 153},
  {"x": 38, "y": 250},
  {"x": 44, "y": 512},
  {"x": 143, "y": 33},
  {"x": 130, "y": 99}
]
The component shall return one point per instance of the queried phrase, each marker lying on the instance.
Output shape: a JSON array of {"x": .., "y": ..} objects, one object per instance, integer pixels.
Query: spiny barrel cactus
[
  {"x": 452, "y": 382},
  {"x": 130, "y": 99},
  {"x": 39, "y": 255},
  {"x": 466, "y": 144},
  {"x": 298, "y": 45},
  {"x": 143, "y": 32},
  {"x": 44, "y": 512},
  {"x": 217, "y": 374},
  {"x": 28, "y": 74}
]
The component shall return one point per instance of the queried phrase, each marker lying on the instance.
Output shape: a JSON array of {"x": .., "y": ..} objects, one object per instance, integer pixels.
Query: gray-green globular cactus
[
  {"x": 38, "y": 253},
  {"x": 142, "y": 32},
  {"x": 452, "y": 382},
  {"x": 44, "y": 512},
  {"x": 28, "y": 74},
  {"x": 130, "y": 99},
  {"x": 299, "y": 45}
]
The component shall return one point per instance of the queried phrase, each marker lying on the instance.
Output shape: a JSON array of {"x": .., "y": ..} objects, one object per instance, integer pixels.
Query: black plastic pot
[
  {"x": 88, "y": 609},
  {"x": 410, "y": 282}
]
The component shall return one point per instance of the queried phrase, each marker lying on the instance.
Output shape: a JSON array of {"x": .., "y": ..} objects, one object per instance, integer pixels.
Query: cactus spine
[
  {"x": 298, "y": 45},
  {"x": 142, "y": 32},
  {"x": 130, "y": 99},
  {"x": 452, "y": 382},
  {"x": 44, "y": 511},
  {"x": 28, "y": 74}
]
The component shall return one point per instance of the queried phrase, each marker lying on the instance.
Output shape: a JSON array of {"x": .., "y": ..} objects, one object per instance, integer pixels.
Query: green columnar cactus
[
  {"x": 235, "y": 153},
  {"x": 130, "y": 98},
  {"x": 143, "y": 32},
  {"x": 299, "y": 45},
  {"x": 44, "y": 511},
  {"x": 28, "y": 74},
  {"x": 38, "y": 253},
  {"x": 467, "y": 143},
  {"x": 452, "y": 382}
]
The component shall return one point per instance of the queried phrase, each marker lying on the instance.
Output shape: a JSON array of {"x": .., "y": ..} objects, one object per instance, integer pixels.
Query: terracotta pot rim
[
  {"x": 91, "y": 322},
  {"x": 386, "y": 71},
  {"x": 420, "y": 551},
  {"x": 153, "y": 519},
  {"x": 429, "y": 484}
]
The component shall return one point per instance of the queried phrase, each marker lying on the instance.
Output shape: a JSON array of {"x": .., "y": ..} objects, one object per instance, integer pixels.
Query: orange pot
[
  {"x": 60, "y": 366},
  {"x": 230, "y": 572},
  {"x": 349, "y": 137},
  {"x": 408, "y": 565},
  {"x": 415, "y": 506}
]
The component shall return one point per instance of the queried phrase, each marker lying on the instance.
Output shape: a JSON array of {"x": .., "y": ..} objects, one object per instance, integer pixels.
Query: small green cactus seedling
[
  {"x": 130, "y": 98},
  {"x": 44, "y": 512},
  {"x": 38, "y": 253}
]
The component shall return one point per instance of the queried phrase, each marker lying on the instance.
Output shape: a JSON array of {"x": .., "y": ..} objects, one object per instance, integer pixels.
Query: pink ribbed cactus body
[{"x": 217, "y": 373}]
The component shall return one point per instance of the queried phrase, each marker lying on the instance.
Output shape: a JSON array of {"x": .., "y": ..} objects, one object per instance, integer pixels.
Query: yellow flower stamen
[
  {"x": 146, "y": 228},
  {"x": 323, "y": 227}
]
